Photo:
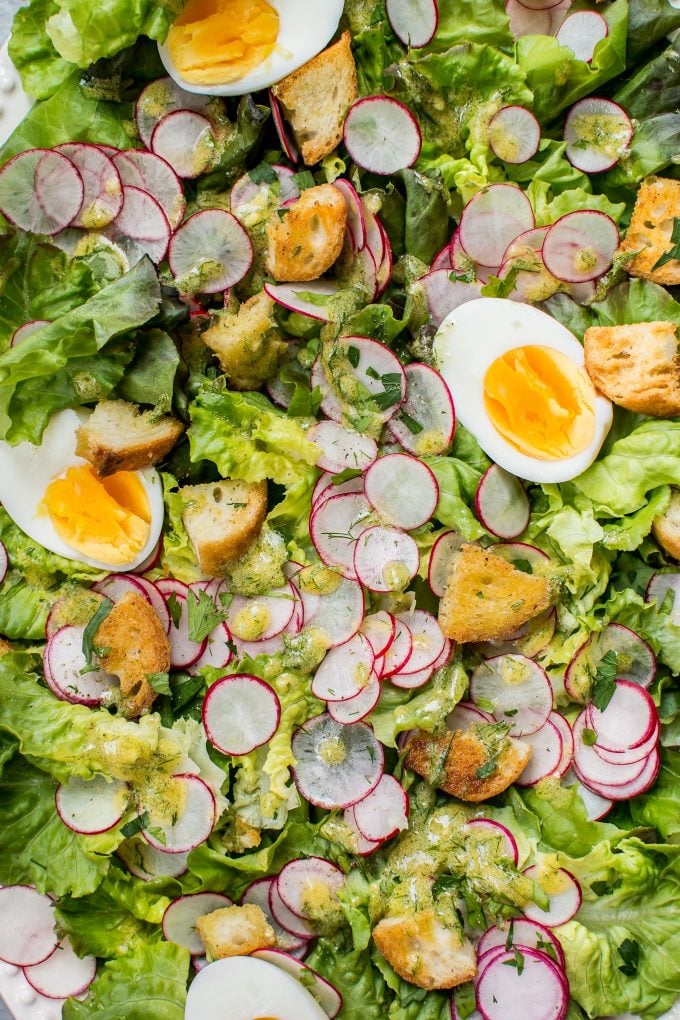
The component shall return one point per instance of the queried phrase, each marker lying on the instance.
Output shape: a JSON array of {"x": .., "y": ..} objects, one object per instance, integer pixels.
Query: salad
[{"x": 340, "y": 523}]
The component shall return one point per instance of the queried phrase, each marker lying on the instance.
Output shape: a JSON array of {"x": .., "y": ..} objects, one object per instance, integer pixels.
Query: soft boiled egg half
[
  {"x": 56, "y": 498},
  {"x": 245, "y": 988},
  {"x": 519, "y": 385},
  {"x": 230, "y": 47}
]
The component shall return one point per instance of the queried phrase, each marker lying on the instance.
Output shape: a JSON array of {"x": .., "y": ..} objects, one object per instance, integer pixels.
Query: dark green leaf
[
  {"x": 604, "y": 684},
  {"x": 159, "y": 682},
  {"x": 204, "y": 615},
  {"x": 174, "y": 608},
  {"x": 92, "y": 628}
]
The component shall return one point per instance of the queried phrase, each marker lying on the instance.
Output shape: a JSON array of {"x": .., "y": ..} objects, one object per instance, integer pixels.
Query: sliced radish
[
  {"x": 342, "y": 448},
  {"x": 152, "y": 174},
  {"x": 382, "y": 135},
  {"x": 330, "y": 404},
  {"x": 179, "y": 919},
  {"x": 441, "y": 560},
  {"x": 444, "y": 294},
  {"x": 336, "y": 765},
  {"x": 345, "y": 670},
  {"x": 465, "y": 715},
  {"x": 300, "y": 880},
  {"x": 580, "y": 245},
  {"x": 103, "y": 189},
  {"x": 240, "y": 712},
  {"x": 494, "y": 830},
  {"x": 141, "y": 227},
  {"x": 389, "y": 478},
  {"x": 502, "y": 504},
  {"x": 384, "y": 812},
  {"x": 523, "y": 932},
  {"x": 262, "y": 617},
  {"x": 360, "y": 845},
  {"x": 63, "y": 974},
  {"x": 4, "y": 562},
  {"x": 378, "y": 370},
  {"x": 581, "y": 32},
  {"x": 530, "y": 640},
  {"x": 385, "y": 559},
  {"x": 357, "y": 708},
  {"x": 91, "y": 806},
  {"x": 145, "y": 862},
  {"x": 258, "y": 893},
  {"x": 328, "y": 997},
  {"x": 157, "y": 601},
  {"x": 426, "y": 418},
  {"x": 161, "y": 97},
  {"x": 539, "y": 5},
  {"x": 597, "y": 131},
  {"x": 115, "y": 586},
  {"x": 247, "y": 193},
  {"x": 428, "y": 641},
  {"x": 399, "y": 652},
  {"x": 338, "y": 615},
  {"x": 288, "y": 144},
  {"x": 194, "y": 824},
  {"x": 528, "y": 22},
  {"x": 184, "y": 652},
  {"x": 504, "y": 988},
  {"x": 625, "y": 791},
  {"x": 442, "y": 259},
  {"x": 308, "y": 299},
  {"x": 296, "y": 926},
  {"x": 596, "y": 806},
  {"x": 356, "y": 221},
  {"x": 665, "y": 589},
  {"x": 379, "y": 629},
  {"x": 491, "y": 220},
  {"x": 67, "y": 673},
  {"x": 152, "y": 559},
  {"x": 41, "y": 191},
  {"x": 593, "y": 770},
  {"x": 564, "y": 729},
  {"x": 563, "y": 892},
  {"x": 630, "y": 755},
  {"x": 514, "y": 134},
  {"x": 414, "y": 22},
  {"x": 186, "y": 141},
  {"x": 335, "y": 525},
  {"x": 217, "y": 652},
  {"x": 23, "y": 332},
  {"x": 210, "y": 252},
  {"x": 517, "y": 690},
  {"x": 27, "y": 934},
  {"x": 546, "y": 754},
  {"x": 628, "y": 720},
  {"x": 327, "y": 487}
]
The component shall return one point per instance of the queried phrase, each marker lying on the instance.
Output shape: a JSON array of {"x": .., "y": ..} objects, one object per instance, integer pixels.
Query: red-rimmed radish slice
[
  {"x": 376, "y": 368},
  {"x": 428, "y": 641},
  {"x": 593, "y": 770},
  {"x": 261, "y": 617},
  {"x": 366, "y": 272},
  {"x": 539, "y": 5},
  {"x": 186, "y": 141},
  {"x": 328, "y": 997},
  {"x": 63, "y": 974},
  {"x": 179, "y": 919},
  {"x": 414, "y": 22},
  {"x": 41, "y": 191},
  {"x": 444, "y": 294},
  {"x": 103, "y": 189},
  {"x": 145, "y": 862},
  {"x": 326, "y": 487},
  {"x": 522, "y": 932},
  {"x": 157, "y": 601},
  {"x": 299, "y": 881},
  {"x": 530, "y": 640},
  {"x": 66, "y": 671},
  {"x": 502, "y": 504},
  {"x": 336, "y": 765},
  {"x": 360, "y": 845},
  {"x": 580, "y": 245},
  {"x": 665, "y": 589},
  {"x": 356, "y": 221},
  {"x": 564, "y": 729},
  {"x": 504, "y": 989},
  {"x": 411, "y": 681},
  {"x": 531, "y": 281},
  {"x": 217, "y": 652},
  {"x": 633, "y": 788},
  {"x": 4, "y": 562},
  {"x": 385, "y": 559},
  {"x": 159, "y": 98},
  {"x": 379, "y": 629},
  {"x": 210, "y": 252},
  {"x": 194, "y": 824},
  {"x": 308, "y": 299},
  {"x": 381, "y": 135},
  {"x": 335, "y": 524},
  {"x": 596, "y": 806},
  {"x": 531, "y": 239},
  {"x": 597, "y": 132},
  {"x": 342, "y": 448},
  {"x": 27, "y": 934},
  {"x": 491, "y": 220},
  {"x": 330, "y": 405},
  {"x": 631, "y": 754},
  {"x": 247, "y": 191},
  {"x": 296, "y": 927},
  {"x": 399, "y": 652},
  {"x": 427, "y": 417},
  {"x": 581, "y": 31},
  {"x": 258, "y": 893},
  {"x": 240, "y": 712},
  {"x": 563, "y": 892},
  {"x": 629, "y": 719},
  {"x": 384, "y": 812},
  {"x": 525, "y": 22},
  {"x": 338, "y": 614},
  {"x": 492, "y": 830},
  {"x": 441, "y": 560},
  {"x": 529, "y": 558},
  {"x": 151, "y": 561},
  {"x": 442, "y": 259},
  {"x": 357, "y": 708},
  {"x": 23, "y": 332},
  {"x": 152, "y": 174},
  {"x": 517, "y": 689},
  {"x": 114, "y": 586},
  {"x": 389, "y": 478},
  {"x": 345, "y": 670},
  {"x": 465, "y": 714},
  {"x": 635, "y": 660},
  {"x": 184, "y": 652},
  {"x": 91, "y": 806},
  {"x": 546, "y": 754},
  {"x": 514, "y": 134},
  {"x": 140, "y": 228},
  {"x": 288, "y": 144}
]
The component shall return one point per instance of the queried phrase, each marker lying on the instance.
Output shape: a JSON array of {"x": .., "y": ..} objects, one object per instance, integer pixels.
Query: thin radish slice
[
  {"x": 530, "y": 240},
  {"x": 491, "y": 220},
  {"x": 67, "y": 673},
  {"x": 247, "y": 195},
  {"x": 330, "y": 405},
  {"x": 186, "y": 141},
  {"x": 630, "y": 755},
  {"x": 465, "y": 714},
  {"x": 581, "y": 31},
  {"x": 516, "y": 690},
  {"x": 546, "y": 754},
  {"x": 593, "y": 770},
  {"x": 141, "y": 227},
  {"x": 488, "y": 829},
  {"x": 514, "y": 134},
  {"x": 179, "y": 919},
  {"x": 628, "y": 720},
  {"x": 210, "y": 252},
  {"x": 184, "y": 652},
  {"x": 288, "y": 144},
  {"x": 442, "y": 259},
  {"x": 91, "y": 806},
  {"x": 146, "y": 862},
  {"x": 389, "y": 478},
  {"x": 115, "y": 586},
  {"x": 377, "y": 369},
  {"x": 296, "y": 927},
  {"x": 327, "y": 487},
  {"x": 217, "y": 652},
  {"x": 399, "y": 652},
  {"x": 357, "y": 708},
  {"x": 258, "y": 893},
  {"x": 382, "y": 135},
  {"x": 336, "y": 765},
  {"x": 596, "y": 806},
  {"x": 161, "y": 97},
  {"x": 262, "y": 617},
  {"x": 665, "y": 590},
  {"x": 411, "y": 681},
  {"x": 563, "y": 892},
  {"x": 580, "y": 245},
  {"x": 23, "y": 332},
  {"x": 385, "y": 559},
  {"x": 356, "y": 221},
  {"x": 597, "y": 131},
  {"x": 523, "y": 932},
  {"x": 152, "y": 174},
  {"x": 441, "y": 560},
  {"x": 301, "y": 879},
  {"x": 633, "y": 788},
  {"x": 426, "y": 420},
  {"x": 635, "y": 660},
  {"x": 414, "y": 22},
  {"x": 27, "y": 934},
  {"x": 444, "y": 294},
  {"x": 194, "y": 824},
  {"x": 335, "y": 525},
  {"x": 151, "y": 561},
  {"x": 345, "y": 671},
  {"x": 338, "y": 615},
  {"x": 379, "y": 629},
  {"x": 157, "y": 601},
  {"x": 504, "y": 989},
  {"x": 240, "y": 712},
  {"x": 428, "y": 641},
  {"x": 308, "y": 299},
  {"x": 564, "y": 729},
  {"x": 103, "y": 189},
  {"x": 360, "y": 845},
  {"x": 539, "y": 5},
  {"x": 384, "y": 812},
  {"x": 328, "y": 997},
  {"x": 342, "y": 448},
  {"x": 525, "y": 22},
  {"x": 528, "y": 558},
  {"x": 41, "y": 191},
  {"x": 530, "y": 640},
  {"x": 375, "y": 238},
  {"x": 502, "y": 504},
  {"x": 4, "y": 562},
  {"x": 63, "y": 974}
]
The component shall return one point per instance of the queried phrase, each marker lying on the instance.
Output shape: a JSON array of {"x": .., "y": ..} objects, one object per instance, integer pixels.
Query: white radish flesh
[
  {"x": 491, "y": 830},
  {"x": 665, "y": 590},
  {"x": 444, "y": 294},
  {"x": 629, "y": 719},
  {"x": 152, "y": 174},
  {"x": 517, "y": 689},
  {"x": 379, "y": 629},
  {"x": 308, "y": 299},
  {"x": 360, "y": 845},
  {"x": 338, "y": 615},
  {"x": 299, "y": 881},
  {"x": 41, "y": 191},
  {"x": 27, "y": 932},
  {"x": 563, "y": 892},
  {"x": 161, "y": 97},
  {"x": 414, "y": 22},
  {"x": 335, "y": 525},
  {"x": 327, "y": 487},
  {"x": 345, "y": 671},
  {"x": 258, "y": 893},
  {"x": 384, "y": 812},
  {"x": 356, "y": 221},
  {"x": 186, "y": 141},
  {"x": 502, "y": 504},
  {"x": 261, "y": 617},
  {"x": 63, "y": 974},
  {"x": 428, "y": 641},
  {"x": 157, "y": 601},
  {"x": 179, "y": 919},
  {"x": 465, "y": 715},
  {"x": 23, "y": 332},
  {"x": 597, "y": 132},
  {"x": 217, "y": 652},
  {"x": 91, "y": 806},
  {"x": 546, "y": 754},
  {"x": 592, "y": 769},
  {"x": 184, "y": 651},
  {"x": 336, "y": 765},
  {"x": 296, "y": 926},
  {"x": 514, "y": 134},
  {"x": 581, "y": 32},
  {"x": 67, "y": 673},
  {"x": 342, "y": 448},
  {"x": 146, "y": 862},
  {"x": 382, "y": 135},
  {"x": 426, "y": 418},
  {"x": 504, "y": 989},
  {"x": 385, "y": 559},
  {"x": 389, "y": 478},
  {"x": 441, "y": 560},
  {"x": 564, "y": 729},
  {"x": 522, "y": 932},
  {"x": 525, "y": 22},
  {"x": 357, "y": 708},
  {"x": 210, "y": 252},
  {"x": 399, "y": 652},
  {"x": 194, "y": 824},
  {"x": 240, "y": 712},
  {"x": 378, "y": 370},
  {"x": 103, "y": 189},
  {"x": 596, "y": 806},
  {"x": 491, "y": 220},
  {"x": 140, "y": 228},
  {"x": 580, "y": 245}
]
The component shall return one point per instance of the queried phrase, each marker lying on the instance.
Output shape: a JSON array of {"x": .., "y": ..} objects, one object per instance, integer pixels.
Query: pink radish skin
[
  {"x": 27, "y": 936},
  {"x": 362, "y": 847},
  {"x": 530, "y": 934},
  {"x": 626, "y": 791},
  {"x": 326, "y": 487},
  {"x": 580, "y": 246},
  {"x": 240, "y": 712},
  {"x": 145, "y": 862},
  {"x": 328, "y": 997},
  {"x": 63, "y": 974},
  {"x": 428, "y": 403},
  {"x": 593, "y": 770},
  {"x": 502, "y": 992},
  {"x": 631, "y": 755},
  {"x": 116, "y": 585},
  {"x": 195, "y": 823},
  {"x": 157, "y": 601},
  {"x": 276, "y": 607},
  {"x": 336, "y": 784},
  {"x": 563, "y": 904},
  {"x": 180, "y": 918},
  {"x": 379, "y": 552},
  {"x": 290, "y": 296},
  {"x": 382, "y": 135},
  {"x": 486, "y": 826},
  {"x": 217, "y": 652},
  {"x": 384, "y": 812},
  {"x": 345, "y": 670},
  {"x": 295, "y": 926},
  {"x": 547, "y": 750},
  {"x": 258, "y": 893},
  {"x": 288, "y": 145},
  {"x": 502, "y": 504}
]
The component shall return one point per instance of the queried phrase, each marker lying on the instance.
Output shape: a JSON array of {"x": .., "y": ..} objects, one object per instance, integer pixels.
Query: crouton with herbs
[
  {"x": 651, "y": 230},
  {"x": 636, "y": 366},
  {"x": 132, "y": 644},
  {"x": 235, "y": 931},
  {"x": 248, "y": 342},
  {"x": 119, "y": 436},
  {"x": 222, "y": 520},
  {"x": 305, "y": 239},
  {"x": 425, "y": 951}
]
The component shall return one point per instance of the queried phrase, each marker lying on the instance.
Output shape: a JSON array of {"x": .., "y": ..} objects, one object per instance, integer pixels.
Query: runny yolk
[
  {"x": 214, "y": 42},
  {"x": 107, "y": 519},
  {"x": 541, "y": 402}
]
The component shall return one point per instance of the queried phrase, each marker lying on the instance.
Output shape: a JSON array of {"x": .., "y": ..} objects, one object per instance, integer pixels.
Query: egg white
[
  {"x": 242, "y": 987},
  {"x": 469, "y": 340},
  {"x": 26, "y": 471},
  {"x": 305, "y": 28}
]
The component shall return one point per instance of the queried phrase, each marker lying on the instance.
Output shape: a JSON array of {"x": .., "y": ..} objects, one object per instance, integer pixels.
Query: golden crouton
[
  {"x": 424, "y": 951},
  {"x": 316, "y": 98},
  {"x": 460, "y": 764},
  {"x": 5, "y": 647},
  {"x": 666, "y": 527},
  {"x": 307, "y": 240},
  {"x": 487, "y": 599},
  {"x": 118, "y": 436},
  {"x": 248, "y": 343},
  {"x": 235, "y": 931},
  {"x": 133, "y": 645},
  {"x": 651, "y": 226},
  {"x": 637, "y": 367},
  {"x": 222, "y": 519}
]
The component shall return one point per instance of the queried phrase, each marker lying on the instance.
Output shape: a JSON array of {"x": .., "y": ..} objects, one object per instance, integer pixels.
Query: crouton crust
[
  {"x": 488, "y": 599},
  {"x": 235, "y": 931},
  {"x": 119, "y": 436},
  {"x": 222, "y": 520},
  {"x": 649, "y": 233},
  {"x": 424, "y": 951},
  {"x": 307, "y": 241},
  {"x": 636, "y": 366},
  {"x": 666, "y": 527},
  {"x": 5, "y": 647},
  {"x": 453, "y": 760},
  {"x": 248, "y": 343},
  {"x": 136, "y": 646}
]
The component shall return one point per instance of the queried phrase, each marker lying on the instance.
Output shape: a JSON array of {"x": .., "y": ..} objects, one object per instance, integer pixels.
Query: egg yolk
[
  {"x": 214, "y": 42},
  {"x": 541, "y": 402},
  {"x": 107, "y": 519}
]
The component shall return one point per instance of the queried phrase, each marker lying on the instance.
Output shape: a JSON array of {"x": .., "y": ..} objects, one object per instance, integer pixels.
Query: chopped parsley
[
  {"x": 204, "y": 615},
  {"x": 89, "y": 649},
  {"x": 263, "y": 173},
  {"x": 604, "y": 683},
  {"x": 174, "y": 608},
  {"x": 673, "y": 253},
  {"x": 411, "y": 424}
]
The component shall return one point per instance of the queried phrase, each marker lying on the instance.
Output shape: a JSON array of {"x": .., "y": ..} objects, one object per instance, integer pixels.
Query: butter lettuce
[
  {"x": 362, "y": 986},
  {"x": 400, "y": 710},
  {"x": 82, "y": 32},
  {"x": 33, "y": 53},
  {"x": 660, "y": 807}
]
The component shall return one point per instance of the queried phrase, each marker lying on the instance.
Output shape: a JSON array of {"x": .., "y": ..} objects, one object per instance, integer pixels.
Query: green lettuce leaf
[
  {"x": 660, "y": 807},
  {"x": 177, "y": 555},
  {"x": 635, "y": 301},
  {"x": 362, "y": 986},
  {"x": 399, "y": 710},
  {"x": 649, "y": 21},
  {"x": 563, "y": 820},
  {"x": 32, "y": 51},
  {"x": 457, "y": 484},
  {"x": 150, "y": 378},
  {"x": 478, "y": 21},
  {"x": 82, "y": 33}
]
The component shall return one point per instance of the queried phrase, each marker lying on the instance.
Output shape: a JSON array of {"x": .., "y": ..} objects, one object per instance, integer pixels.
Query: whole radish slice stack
[
  {"x": 102, "y": 186},
  {"x": 41, "y": 191}
]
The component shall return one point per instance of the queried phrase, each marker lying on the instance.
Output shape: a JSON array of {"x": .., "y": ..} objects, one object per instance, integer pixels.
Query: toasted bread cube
[
  {"x": 458, "y": 762},
  {"x": 316, "y": 98},
  {"x": 308, "y": 239},
  {"x": 637, "y": 367},
  {"x": 5, "y": 647},
  {"x": 222, "y": 519},
  {"x": 424, "y": 951},
  {"x": 134, "y": 645},
  {"x": 487, "y": 599},
  {"x": 118, "y": 436},
  {"x": 248, "y": 343},
  {"x": 235, "y": 931},
  {"x": 651, "y": 226},
  {"x": 666, "y": 527}
]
